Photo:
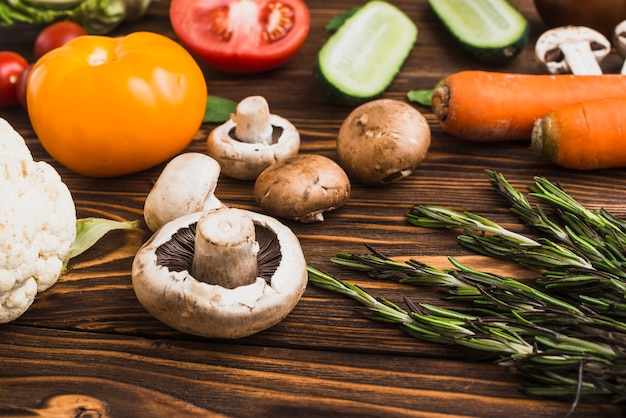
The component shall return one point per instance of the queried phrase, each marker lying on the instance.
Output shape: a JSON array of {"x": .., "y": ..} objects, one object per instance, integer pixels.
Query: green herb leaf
[
  {"x": 96, "y": 16},
  {"x": 90, "y": 230},
  {"x": 423, "y": 97},
  {"x": 218, "y": 109},
  {"x": 564, "y": 333}
]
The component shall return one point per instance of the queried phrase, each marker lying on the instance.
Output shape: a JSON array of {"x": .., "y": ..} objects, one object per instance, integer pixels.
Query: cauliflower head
[{"x": 37, "y": 225}]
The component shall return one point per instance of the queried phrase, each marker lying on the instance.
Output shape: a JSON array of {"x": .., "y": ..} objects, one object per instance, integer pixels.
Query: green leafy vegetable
[
  {"x": 96, "y": 16},
  {"x": 218, "y": 109},
  {"x": 90, "y": 230},
  {"x": 423, "y": 97}
]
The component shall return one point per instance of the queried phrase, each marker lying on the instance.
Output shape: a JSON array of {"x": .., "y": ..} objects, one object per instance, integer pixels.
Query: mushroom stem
[
  {"x": 252, "y": 121},
  {"x": 580, "y": 58},
  {"x": 572, "y": 49},
  {"x": 225, "y": 249}
]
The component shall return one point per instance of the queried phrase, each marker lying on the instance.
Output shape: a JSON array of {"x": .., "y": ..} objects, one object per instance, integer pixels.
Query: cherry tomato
[
  {"x": 55, "y": 35},
  {"x": 600, "y": 15},
  {"x": 12, "y": 65},
  {"x": 241, "y": 36},
  {"x": 20, "y": 86},
  {"x": 109, "y": 106}
]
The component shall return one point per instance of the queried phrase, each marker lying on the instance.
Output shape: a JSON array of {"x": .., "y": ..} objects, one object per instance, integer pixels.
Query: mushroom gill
[
  {"x": 222, "y": 306},
  {"x": 277, "y": 132},
  {"x": 177, "y": 253}
]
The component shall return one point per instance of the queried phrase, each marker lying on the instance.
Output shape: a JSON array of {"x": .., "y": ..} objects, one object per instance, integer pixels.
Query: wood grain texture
[{"x": 88, "y": 341}]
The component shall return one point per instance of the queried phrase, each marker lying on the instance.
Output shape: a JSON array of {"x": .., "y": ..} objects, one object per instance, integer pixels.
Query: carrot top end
[
  {"x": 441, "y": 102},
  {"x": 543, "y": 141}
]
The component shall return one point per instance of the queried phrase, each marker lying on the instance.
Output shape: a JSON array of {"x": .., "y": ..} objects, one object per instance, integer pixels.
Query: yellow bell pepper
[{"x": 105, "y": 106}]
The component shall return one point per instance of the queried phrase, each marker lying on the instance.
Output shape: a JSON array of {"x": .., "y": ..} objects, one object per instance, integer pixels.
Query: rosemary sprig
[
  {"x": 520, "y": 206},
  {"x": 544, "y": 190},
  {"x": 448, "y": 328},
  {"x": 385, "y": 311},
  {"x": 494, "y": 294},
  {"x": 598, "y": 235},
  {"x": 548, "y": 359},
  {"x": 589, "y": 246},
  {"x": 564, "y": 334},
  {"x": 431, "y": 216}
]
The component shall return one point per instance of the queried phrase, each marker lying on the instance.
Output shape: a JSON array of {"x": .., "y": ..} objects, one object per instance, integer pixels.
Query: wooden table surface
[{"x": 87, "y": 340}]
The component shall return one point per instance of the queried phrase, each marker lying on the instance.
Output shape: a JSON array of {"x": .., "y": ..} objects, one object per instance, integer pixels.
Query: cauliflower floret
[{"x": 37, "y": 225}]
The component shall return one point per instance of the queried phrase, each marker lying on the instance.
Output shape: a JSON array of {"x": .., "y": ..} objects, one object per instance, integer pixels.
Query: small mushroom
[
  {"x": 572, "y": 49},
  {"x": 619, "y": 36},
  {"x": 221, "y": 273},
  {"x": 186, "y": 184},
  {"x": 382, "y": 141},
  {"x": 302, "y": 188},
  {"x": 252, "y": 140}
]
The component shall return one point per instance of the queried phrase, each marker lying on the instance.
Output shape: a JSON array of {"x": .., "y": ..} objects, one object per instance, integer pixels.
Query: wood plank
[
  {"x": 88, "y": 336},
  {"x": 250, "y": 381}
]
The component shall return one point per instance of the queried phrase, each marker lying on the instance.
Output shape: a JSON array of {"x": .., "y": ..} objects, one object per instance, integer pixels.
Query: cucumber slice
[
  {"x": 361, "y": 59},
  {"x": 491, "y": 30}
]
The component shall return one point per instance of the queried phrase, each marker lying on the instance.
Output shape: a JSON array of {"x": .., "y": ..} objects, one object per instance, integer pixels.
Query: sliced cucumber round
[
  {"x": 361, "y": 59},
  {"x": 491, "y": 30}
]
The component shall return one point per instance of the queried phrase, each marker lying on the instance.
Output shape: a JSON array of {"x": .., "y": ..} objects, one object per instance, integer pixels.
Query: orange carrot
[
  {"x": 584, "y": 136},
  {"x": 492, "y": 106}
]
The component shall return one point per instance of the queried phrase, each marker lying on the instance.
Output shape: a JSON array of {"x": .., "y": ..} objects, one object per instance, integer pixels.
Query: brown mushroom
[
  {"x": 302, "y": 188},
  {"x": 221, "y": 273},
  {"x": 382, "y": 141},
  {"x": 252, "y": 140}
]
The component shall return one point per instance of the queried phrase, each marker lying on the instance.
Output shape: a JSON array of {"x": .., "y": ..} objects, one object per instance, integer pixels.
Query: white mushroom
[
  {"x": 188, "y": 277},
  {"x": 572, "y": 49},
  {"x": 252, "y": 140},
  {"x": 186, "y": 184},
  {"x": 619, "y": 36}
]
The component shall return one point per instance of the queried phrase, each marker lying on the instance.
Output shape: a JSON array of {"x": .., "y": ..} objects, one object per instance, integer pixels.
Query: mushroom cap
[
  {"x": 189, "y": 305},
  {"x": 245, "y": 161},
  {"x": 302, "y": 188},
  {"x": 382, "y": 141},
  {"x": 619, "y": 37},
  {"x": 186, "y": 185},
  {"x": 550, "y": 46}
]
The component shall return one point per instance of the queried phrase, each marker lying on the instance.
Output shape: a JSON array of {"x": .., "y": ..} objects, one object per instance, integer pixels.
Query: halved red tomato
[{"x": 241, "y": 36}]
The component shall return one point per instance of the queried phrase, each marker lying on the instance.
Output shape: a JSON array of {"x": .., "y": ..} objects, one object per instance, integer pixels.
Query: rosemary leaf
[{"x": 563, "y": 333}]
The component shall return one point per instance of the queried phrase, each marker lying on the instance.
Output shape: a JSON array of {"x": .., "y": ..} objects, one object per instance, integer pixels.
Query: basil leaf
[{"x": 218, "y": 109}]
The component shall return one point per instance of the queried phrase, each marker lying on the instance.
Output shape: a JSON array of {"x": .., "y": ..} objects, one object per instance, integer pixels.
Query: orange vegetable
[
  {"x": 491, "y": 106},
  {"x": 584, "y": 136},
  {"x": 105, "y": 106}
]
